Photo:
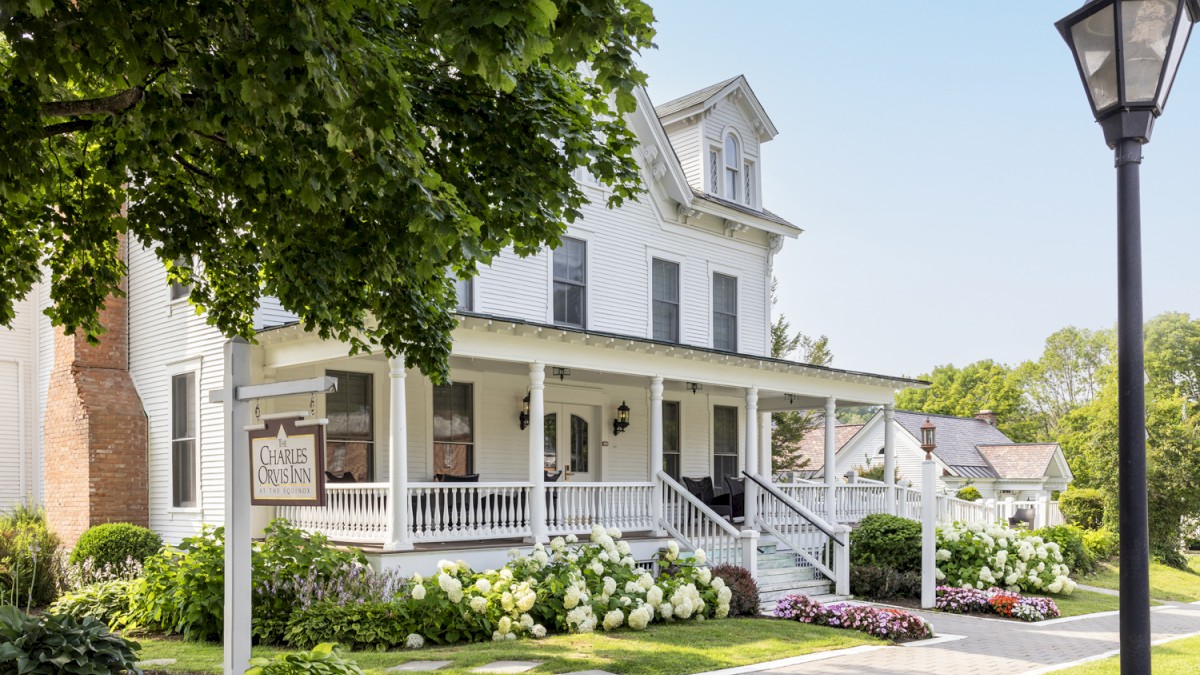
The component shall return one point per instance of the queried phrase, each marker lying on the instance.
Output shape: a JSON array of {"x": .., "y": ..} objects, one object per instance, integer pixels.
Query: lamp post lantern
[{"x": 1127, "y": 53}]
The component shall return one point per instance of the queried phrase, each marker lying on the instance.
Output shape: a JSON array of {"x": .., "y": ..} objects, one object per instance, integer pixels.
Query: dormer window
[{"x": 733, "y": 168}]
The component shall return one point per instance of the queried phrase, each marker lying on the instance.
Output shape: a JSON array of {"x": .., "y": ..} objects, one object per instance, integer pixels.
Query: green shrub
[
  {"x": 183, "y": 590},
  {"x": 324, "y": 659},
  {"x": 975, "y": 555},
  {"x": 114, "y": 544},
  {"x": 882, "y": 583},
  {"x": 1101, "y": 544},
  {"x": 887, "y": 541},
  {"x": 105, "y": 600},
  {"x": 368, "y": 625},
  {"x": 50, "y": 644},
  {"x": 1070, "y": 543},
  {"x": 968, "y": 493},
  {"x": 744, "y": 601},
  {"x": 1084, "y": 508},
  {"x": 28, "y": 549}
]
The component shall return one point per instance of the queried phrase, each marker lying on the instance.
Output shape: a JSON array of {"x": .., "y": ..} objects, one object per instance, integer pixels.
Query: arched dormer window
[{"x": 733, "y": 167}]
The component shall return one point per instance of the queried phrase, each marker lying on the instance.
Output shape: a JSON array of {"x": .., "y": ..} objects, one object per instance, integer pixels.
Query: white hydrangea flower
[
  {"x": 939, "y": 575},
  {"x": 571, "y": 598},
  {"x": 632, "y": 588},
  {"x": 418, "y": 592},
  {"x": 417, "y": 578},
  {"x": 724, "y": 596},
  {"x": 541, "y": 557},
  {"x": 414, "y": 641},
  {"x": 483, "y": 586},
  {"x": 455, "y": 595},
  {"x": 497, "y": 636},
  {"x": 507, "y": 601},
  {"x": 610, "y": 585},
  {"x": 505, "y": 624},
  {"x": 640, "y": 618},
  {"x": 526, "y": 601},
  {"x": 596, "y": 567},
  {"x": 672, "y": 550},
  {"x": 1055, "y": 586},
  {"x": 598, "y": 532},
  {"x": 722, "y": 610},
  {"x": 705, "y": 576},
  {"x": 718, "y": 583},
  {"x": 654, "y": 596},
  {"x": 571, "y": 539},
  {"x": 943, "y": 554},
  {"x": 538, "y": 631},
  {"x": 558, "y": 544},
  {"x": 629, "y": 562},
  {"x": 614, "y": 533},
  {"x": 700, "y": 557},
  {"x": 614, "y": 619},
  {"x": 506, "y": 574},
  {"x": 602, "y": 556},
  {"x": 479, "y": 603},
  {"x": 667, "y": 611},
  {"x": 526, "y": 621},
  {"x": 646, "y": 582}
]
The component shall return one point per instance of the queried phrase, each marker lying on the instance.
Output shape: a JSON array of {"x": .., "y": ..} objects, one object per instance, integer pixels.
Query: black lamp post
[{"x": 1127, "y": 52}]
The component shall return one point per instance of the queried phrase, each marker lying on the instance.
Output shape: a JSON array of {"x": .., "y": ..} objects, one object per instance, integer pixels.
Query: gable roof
[
  {"x": 702, "y": 99},
  {"x": 957, "y": 438},
  {"x": 1019, "y": 460}
]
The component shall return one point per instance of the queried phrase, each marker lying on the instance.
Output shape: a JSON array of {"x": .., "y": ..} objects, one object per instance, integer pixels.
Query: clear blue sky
[{"x": 957, "y": 197}]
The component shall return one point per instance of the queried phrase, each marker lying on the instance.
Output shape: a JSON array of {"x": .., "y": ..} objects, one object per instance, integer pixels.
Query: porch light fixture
[
  {"x": 928, "y": 438},
  {"x": 694, "y": 386},
  {"x": 791, "y": 399},
  {"x": 1127, "y": 53},
  {"x": 524, "y": 416},
  {"x": 560, "y": 373},
  {"x": 622, "y": 421}
]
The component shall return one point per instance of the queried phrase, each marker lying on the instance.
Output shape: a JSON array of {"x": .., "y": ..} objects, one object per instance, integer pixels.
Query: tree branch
[
  {"x": 192, "y": 167},
  {"x": 67, "y": 127},
  {"x": 110, "y": 105}
]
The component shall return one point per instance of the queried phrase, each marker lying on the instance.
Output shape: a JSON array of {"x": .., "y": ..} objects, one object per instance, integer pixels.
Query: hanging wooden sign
[{"x": 287, "y": 461}]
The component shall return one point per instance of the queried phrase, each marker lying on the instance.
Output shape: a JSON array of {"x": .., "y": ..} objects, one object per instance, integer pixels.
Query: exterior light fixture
[
  {"x": 1127, "y": 53},
  {"x": 694, "y": 386},
  {"x": 560, "y": 373},
  {"x": 928, "y": 438},
  {"x": 622, "y": 421},
  {"x": 791, "y": 399},
  {"x": 524, "y": 416}
]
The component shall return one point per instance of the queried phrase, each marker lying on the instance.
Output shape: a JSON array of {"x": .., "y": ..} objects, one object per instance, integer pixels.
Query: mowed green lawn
[
  {"x": 1166, "y": 583},
  {"x": 673, "y": 649},
  {"x": 1180, "y": 657},
  {"x": 1085, "y": 602}
]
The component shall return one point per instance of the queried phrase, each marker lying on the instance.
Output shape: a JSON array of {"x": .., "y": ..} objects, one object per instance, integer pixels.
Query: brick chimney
[
  {"x": 987, "y": 416},
  {"x": 96, "y": 443}
]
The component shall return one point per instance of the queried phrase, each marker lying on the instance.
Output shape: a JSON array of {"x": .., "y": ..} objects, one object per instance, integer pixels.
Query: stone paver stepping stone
[
  {"x": 507, "y": 667},
  {"x": 420, "y": 666},
  {"x": 156, "y": 662}
]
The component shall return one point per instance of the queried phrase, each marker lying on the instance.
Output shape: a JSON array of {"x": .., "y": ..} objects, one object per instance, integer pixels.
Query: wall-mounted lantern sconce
[
  {"x": 560, "y": 373},
  {"x": 622, "y": 421},
  {"x": 694, "y": 386},
  {"x": 524, "y": 416}
]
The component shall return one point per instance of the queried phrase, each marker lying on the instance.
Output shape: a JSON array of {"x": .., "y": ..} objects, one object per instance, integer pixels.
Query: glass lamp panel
[
  {"x": 1183, "y": 30},
  {"x": 1146, "y": 28},
  {"x": 1094, "y": 41}
]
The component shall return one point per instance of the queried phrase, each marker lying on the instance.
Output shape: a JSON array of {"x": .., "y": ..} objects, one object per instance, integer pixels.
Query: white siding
[
  {"x": 685, "y": 139},
  {"x": 271, "y": 313},
  {"x": 163, "y": 334},
  {"x": 18, "y": 409},
  {"x": 909, "y": 455}
]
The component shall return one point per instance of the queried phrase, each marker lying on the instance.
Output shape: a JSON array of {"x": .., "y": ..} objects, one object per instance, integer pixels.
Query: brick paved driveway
[{"x": 997, "y": 647}]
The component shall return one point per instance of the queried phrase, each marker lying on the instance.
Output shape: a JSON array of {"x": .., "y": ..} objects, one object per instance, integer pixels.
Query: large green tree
[
  {"x": 789, "y": 428},
  {"x": 344, "y": 156},
  {"x": 983, "y": 385},
  {"x": 1069, "y": 374}
]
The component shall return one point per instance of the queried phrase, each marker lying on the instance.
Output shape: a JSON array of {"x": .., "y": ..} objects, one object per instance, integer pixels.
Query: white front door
[{"x": 571, "y": 442}]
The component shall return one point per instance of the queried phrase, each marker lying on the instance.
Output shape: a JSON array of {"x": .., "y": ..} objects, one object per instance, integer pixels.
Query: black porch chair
[
  {"x": 702, "y": 489},
  {"x": 737, "y": 497}
]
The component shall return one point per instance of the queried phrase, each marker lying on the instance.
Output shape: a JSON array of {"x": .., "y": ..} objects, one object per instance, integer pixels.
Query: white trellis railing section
[
  {"x": 1045, "y": 512},
  {"x": 696, "y": 526},
  {"x": 458, "y": 511},
  {"x": 809, "y": 494},
  {"x": 576, "y": 507},
  {"x": 354, "y": 513}
]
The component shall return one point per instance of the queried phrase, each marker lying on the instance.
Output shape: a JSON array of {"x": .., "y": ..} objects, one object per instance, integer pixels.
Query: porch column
[
  {"x": 537, "y": 449},
  {"x": 889, "y": 455},
  {"x": 750, "y": 498},
  {"x": 831, "y": 459},
  {"x": 398, "y": 525},
  {"x": 656, "y": 451},
  {"x": 766, "y": 464}
]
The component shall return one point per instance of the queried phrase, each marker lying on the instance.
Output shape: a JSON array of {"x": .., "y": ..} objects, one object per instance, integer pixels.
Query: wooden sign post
[{"x": 236, "y": 395}]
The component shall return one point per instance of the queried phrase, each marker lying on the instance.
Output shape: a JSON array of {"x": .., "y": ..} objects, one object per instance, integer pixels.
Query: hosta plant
[{"x": 60, "y": 645}]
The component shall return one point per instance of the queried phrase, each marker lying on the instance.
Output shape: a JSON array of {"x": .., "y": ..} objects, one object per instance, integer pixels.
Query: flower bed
[
  {"x": 974, "y": 555},
  {"x": 995, "y": 601},
  {"x": 894, "y": 624},
  {"x": 566, "y": 587}
]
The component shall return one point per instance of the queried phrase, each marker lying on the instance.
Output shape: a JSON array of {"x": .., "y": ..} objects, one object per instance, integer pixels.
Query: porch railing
[
  {"x": 354, "y": 513},
  {"x": 577, "y": 507},
  {"x": 458, "y": 511},
  {"x": 696, "y": 526},
  {"x": 809, "y": 494}
]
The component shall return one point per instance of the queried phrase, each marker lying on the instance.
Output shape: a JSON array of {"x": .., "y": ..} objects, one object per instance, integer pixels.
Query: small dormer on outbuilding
[{"x": 717, "y": 132}]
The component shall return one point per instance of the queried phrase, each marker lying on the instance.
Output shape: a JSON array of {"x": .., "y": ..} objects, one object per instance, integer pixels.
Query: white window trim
[
  {"x": 475, "y": 379},
  {"x": 681, "y": 260},
  {"x": 193, "y": 365},
  {"x": 177, "y": 304},
  {"x": 678, "y": 401},
  {"x": 715, "y": 182},
  {"x": 725, "y": 402},
  {"x": 750, "y": 165},
  {"x": 738, "y": 165},
  {"x": 729, "y": 272},
  {"x": 589, "y": 280}
]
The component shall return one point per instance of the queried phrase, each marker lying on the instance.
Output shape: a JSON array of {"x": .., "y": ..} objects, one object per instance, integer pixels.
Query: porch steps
[{"x": 782, "y": 573}]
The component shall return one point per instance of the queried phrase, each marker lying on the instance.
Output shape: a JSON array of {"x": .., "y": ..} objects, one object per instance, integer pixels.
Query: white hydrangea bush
[
  {"x": 978, "y": 555},
  {"x": 567, "y": 586}
]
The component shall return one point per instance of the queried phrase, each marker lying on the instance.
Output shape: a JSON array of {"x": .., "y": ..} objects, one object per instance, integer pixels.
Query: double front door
[{"x": 571, "y": 442}]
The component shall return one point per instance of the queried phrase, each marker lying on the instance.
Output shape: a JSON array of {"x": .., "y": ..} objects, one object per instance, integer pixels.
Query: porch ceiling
[{"x": 509, "y": 345}]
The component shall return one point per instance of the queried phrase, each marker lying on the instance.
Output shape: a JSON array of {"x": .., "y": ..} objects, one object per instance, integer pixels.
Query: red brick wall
[{"x": 97, "y": 450}]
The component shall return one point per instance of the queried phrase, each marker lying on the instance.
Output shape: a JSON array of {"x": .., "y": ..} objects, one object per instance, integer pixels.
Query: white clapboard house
[{"x": 656, "y": 313}]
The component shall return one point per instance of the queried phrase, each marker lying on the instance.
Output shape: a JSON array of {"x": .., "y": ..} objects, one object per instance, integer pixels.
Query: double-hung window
[
  {"x": 464, "y": 290},
  {"x": 733, "y": 168},
  {"x": 724, "y": 304},
  {"x": 183, "y": 440},
  {"x": 350, "y": 435},
  {"x": 666, "y": 300},
  {"x": 180, "y": 291},
  {"x": 454, "y": 428},
  {"x": 725, "y": 444},
  {"x": 671, "y": 438},
  {"x": 570, "y": 283}
]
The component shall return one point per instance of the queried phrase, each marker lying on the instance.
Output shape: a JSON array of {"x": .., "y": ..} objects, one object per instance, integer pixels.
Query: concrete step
[
  {"x": 782, "y": 578},
  {"x": 809, "y": 588}
]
